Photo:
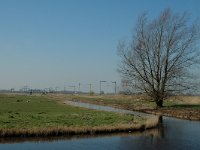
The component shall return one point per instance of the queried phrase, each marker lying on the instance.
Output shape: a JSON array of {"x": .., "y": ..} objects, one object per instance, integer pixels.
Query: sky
[{"x": 61, "y": 43}]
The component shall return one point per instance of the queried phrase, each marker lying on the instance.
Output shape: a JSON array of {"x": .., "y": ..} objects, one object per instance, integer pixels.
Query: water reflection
[
  {"x": 150, "y": 132},
  {"x": 161, "y": 127},
  {"x": 172, "y": 134}
]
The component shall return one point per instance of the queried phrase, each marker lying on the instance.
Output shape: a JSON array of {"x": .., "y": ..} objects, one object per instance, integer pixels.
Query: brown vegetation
[{"x": 69, "y": 131}]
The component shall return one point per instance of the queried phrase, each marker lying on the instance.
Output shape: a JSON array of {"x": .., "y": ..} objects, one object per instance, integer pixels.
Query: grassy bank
[
  {"x": 184, "y": 107},
  {"x": 22, "y": 115},
  {"x": 119, "y": 101}
]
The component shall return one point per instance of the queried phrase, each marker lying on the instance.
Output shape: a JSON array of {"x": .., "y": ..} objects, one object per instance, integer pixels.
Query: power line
[
  {"x": 79, "y": 87},
  {"x": 90, "y": 87},
  {"x": 115, "y": 86},
  {"x": 74, "y": 88},
  {"x": 100, "y": 86}
]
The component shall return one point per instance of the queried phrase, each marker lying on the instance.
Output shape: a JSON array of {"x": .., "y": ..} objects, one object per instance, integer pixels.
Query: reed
[{"x": 69, "y": 131}]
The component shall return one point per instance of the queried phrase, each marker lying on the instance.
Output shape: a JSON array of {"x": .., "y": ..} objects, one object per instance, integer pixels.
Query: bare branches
[{"x": 161, "y": 54}]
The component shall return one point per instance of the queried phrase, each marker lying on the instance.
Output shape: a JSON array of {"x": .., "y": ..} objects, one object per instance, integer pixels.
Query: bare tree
[{"x": 159, "y": 57}]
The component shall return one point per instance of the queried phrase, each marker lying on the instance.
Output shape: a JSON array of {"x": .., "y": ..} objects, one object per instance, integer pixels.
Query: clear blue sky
[{"x": 48, "y": 43}]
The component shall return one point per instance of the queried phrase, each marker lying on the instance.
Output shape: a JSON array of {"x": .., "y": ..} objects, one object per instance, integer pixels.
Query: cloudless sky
[{"x": 49, "y": 43}]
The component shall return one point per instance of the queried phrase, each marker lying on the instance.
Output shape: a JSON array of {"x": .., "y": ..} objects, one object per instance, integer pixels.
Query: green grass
[
  {"x": 174, "y": 105},
  {"x": 134, "y": 102},
  {"x": 182, "y": 106},
  {"x": 125, "y": 102},
  {"x": 30, "y": 112}
]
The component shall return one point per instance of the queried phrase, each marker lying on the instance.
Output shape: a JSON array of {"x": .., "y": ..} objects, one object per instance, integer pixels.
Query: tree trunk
[{"x": 159, "y": 103}]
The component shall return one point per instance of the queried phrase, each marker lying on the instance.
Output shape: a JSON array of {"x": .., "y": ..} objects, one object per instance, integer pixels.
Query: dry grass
[
  {"x": 69, "y": 131},
  {"x": 192, "y": 100},
  {"x": 152, "y": 122}
]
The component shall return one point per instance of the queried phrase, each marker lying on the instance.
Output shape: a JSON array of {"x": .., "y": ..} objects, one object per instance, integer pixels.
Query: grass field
[
  {"x": 138, "y": 102},
  {"x": 41, "y": 113}
]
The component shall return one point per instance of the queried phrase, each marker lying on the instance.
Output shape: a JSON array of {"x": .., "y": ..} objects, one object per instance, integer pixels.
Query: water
[
  {"x": 173, "y": 134},
  {"x": 106, "y": 108}
]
